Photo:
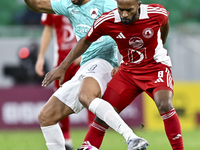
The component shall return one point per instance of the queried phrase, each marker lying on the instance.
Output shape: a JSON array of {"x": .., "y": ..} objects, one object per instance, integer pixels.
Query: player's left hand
[
  {"x": 114, "y": 71},
  {"x": 56, "y": 73}
]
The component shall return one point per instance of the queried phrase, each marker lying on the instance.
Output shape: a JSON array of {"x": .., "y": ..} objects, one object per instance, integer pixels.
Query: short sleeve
[
  {"x": 94, "y": 33},
  {"x": 110, "y": 5},
  {"x": 162, "y": 14},
  {"x": 46, "y": 19},
  {"x": 60, "y": 7}
]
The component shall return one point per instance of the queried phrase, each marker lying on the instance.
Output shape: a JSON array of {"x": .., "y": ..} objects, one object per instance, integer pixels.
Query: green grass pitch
[{"x": 33, "y": 139}]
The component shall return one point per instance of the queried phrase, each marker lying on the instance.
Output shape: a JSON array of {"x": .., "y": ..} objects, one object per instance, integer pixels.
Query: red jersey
[
  {"x": 139, "y": 42},
  {"x": 65, "y": 38}
]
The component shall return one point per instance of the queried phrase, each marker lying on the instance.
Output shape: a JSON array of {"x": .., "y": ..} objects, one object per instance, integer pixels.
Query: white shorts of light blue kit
[{"x": 97, "y": 68}]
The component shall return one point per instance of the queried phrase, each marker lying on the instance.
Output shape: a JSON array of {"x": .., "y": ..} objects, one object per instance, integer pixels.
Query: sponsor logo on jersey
[
  {"x": 120, "y": 36},
  {"x": 148, "y": 33},
  {"x": 136, "y": 42},
  {"x": 94, "y": 13},
  {"x": 82, "y": 28}
]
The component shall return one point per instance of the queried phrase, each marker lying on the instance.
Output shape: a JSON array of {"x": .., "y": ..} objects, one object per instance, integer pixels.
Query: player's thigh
[
  {"x": 99, "y": 69},
  {"x": 120, "y": 92},
  {"x": 159, "y": 79},
  {"x": 89, "y": 90},
  {"x": 68, "y": 94},
  {"x": 54, "y": 110}
]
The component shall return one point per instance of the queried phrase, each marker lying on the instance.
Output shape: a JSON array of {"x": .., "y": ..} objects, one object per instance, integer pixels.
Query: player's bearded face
[
  {"x": 128, "y": 10},
  {"x": 126, "y": 20}
]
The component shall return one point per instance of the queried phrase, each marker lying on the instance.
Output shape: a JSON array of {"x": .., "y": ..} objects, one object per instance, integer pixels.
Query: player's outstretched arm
[
  {"x": 164, "y": 32},
  {"x": 45, "y": 40},
  {"x": 42, "y": 6},
  {"x": 59, "y": 72}
]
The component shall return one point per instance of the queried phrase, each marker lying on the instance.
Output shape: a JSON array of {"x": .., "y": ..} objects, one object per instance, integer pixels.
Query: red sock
[
  {"x": 91, "y": 117},
  {"x": 64, "y": 124},
  {"x": 173, "y": 129},
  {"x": 95, "y": 135}
]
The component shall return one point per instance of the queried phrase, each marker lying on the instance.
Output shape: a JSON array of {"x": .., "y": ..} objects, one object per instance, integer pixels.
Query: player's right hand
[
  {"x": 39, "y": 66},
  {"x": 56, "y": 73}
]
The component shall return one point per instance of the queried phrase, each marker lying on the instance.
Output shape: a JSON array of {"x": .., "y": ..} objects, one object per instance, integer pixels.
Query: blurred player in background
[
  {"x": 86, "y": 88},
  {"x": 64, "y": 41}
]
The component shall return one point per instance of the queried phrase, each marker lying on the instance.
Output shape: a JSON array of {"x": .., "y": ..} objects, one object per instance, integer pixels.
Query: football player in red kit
[{"x": 140, "y": 32}]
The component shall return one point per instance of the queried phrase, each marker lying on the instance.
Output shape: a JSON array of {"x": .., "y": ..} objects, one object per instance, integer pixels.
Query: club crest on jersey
[
  {"x": 94, "y": 13},
  {"x": 136, "y": 42},
  {"x": 148, "y": 33}
]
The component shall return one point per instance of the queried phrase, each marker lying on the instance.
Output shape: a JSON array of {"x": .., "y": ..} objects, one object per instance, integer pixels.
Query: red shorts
[{"x": 125, "y": 86}]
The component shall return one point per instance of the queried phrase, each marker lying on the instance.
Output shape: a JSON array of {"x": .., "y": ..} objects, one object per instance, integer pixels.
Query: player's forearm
[
  {"x": 42, "y": 6},
  {"x": 81, "y": 46},
  {"x": 45, "y": 40}
]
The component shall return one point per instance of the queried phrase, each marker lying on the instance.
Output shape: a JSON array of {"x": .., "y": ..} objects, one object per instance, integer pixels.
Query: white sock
[
  {"x": 106, "y": 112},
  {"x": 54, "y": 137}
]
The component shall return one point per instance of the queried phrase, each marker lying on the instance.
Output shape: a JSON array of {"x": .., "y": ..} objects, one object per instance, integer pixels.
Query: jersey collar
[{"x": 143, "y": 13}]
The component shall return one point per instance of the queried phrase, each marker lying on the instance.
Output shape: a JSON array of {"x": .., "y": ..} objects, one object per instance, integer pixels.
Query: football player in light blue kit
[
  {"x": 86, "y": 88},
  {"x": 82, "y": 18}
]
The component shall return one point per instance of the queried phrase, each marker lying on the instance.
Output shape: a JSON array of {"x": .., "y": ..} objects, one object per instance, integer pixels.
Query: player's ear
[{"x": 139, "y": 3}]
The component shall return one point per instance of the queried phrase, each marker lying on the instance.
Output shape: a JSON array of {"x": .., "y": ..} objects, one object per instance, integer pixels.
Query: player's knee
[
  {"x": 163, "y": 100},
  {"x": 43, "y": 119},
  {"x": 164, "y": 106},
  {"x": 85, "y": 99}
]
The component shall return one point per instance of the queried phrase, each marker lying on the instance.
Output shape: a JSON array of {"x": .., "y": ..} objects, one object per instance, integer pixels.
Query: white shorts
[{"x": 97, "y": 68}]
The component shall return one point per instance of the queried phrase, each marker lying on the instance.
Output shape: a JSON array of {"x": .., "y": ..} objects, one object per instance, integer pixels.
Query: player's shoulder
[
  {"x": 157, "y": 6},
  {"x": 105, "y": 17},
  {"x": 105, "y": 1},
  {"x": 46, "y": 18},
  {"x": 110, "y": 1},
  {"x": 107, "y": 5},
  {"x": 157, "y": 9}
]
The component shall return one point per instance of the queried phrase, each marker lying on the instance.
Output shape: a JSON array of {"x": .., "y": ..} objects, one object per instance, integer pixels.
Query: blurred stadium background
[{"x": 21, "y": 96}]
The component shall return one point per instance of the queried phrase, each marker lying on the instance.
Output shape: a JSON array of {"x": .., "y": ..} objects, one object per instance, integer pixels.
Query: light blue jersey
[{"x": 81, "y": 19}]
